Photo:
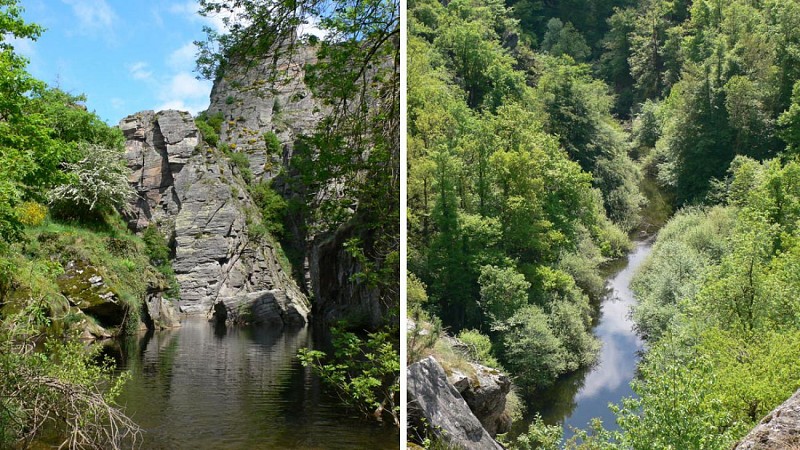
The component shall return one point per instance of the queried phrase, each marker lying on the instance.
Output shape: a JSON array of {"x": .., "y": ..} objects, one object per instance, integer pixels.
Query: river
[
  {"x": 207, "y": 387},
  {"x": 577, "y": 398}
]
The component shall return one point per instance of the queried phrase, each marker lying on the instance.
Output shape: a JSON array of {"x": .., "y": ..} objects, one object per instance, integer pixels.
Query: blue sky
[{"x": 125, "y": 55}]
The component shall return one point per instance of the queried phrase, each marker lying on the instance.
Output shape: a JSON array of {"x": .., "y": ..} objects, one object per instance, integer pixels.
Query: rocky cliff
[
  {"x": 200, "y": 203},
  {"x": 271, "y": 96}
]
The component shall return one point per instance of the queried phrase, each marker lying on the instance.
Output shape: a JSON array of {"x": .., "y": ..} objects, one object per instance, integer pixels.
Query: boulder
[
  {"x": 84, "y": 287},
  {"x": 160, "y": 313},
  {"x": 485, "y": 392},
  {"x": 435, "y": 406},
  {"x": 780, "y": 429}
]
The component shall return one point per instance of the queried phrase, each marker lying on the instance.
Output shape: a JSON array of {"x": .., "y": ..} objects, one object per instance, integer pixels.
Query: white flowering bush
[{"x": 98, "y": 182}]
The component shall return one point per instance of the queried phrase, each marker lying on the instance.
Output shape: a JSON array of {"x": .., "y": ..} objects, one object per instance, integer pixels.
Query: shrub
[
  {"x": 273, "y": 143},
  {"x": 271, "y": 206},
  {"x": 479, "y": 347},
  {"x": 159, "y": 252},
  {"x": 56, "y": 383},
  {"x": 364, "y": 371},
  {"x": 97, "y": 183},
  {"x": 157, "y": 248},
  {"x": 241, "y": 162},
  {"x": 210, "y": 127},
  {"x": 209, "y": 136},
  {"x": 31, "y": 214}
]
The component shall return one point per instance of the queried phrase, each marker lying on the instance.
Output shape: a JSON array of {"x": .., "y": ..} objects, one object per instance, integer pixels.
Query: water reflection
[
  {"x": 574, "y": 400},
  {"x": 205, "y": 386}
]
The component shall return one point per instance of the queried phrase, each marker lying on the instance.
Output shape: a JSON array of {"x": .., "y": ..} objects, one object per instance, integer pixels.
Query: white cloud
[
  {"x": 180, "y": 105},
  {"x": 183, "y": 58},
  {"x": 92, "y": 15},
  {"x": 185, "y": 85},
  {"x": 215, "y": 21},
  {"x": 184, "y": 92},
  {"x": 140, "y": 71},
  {"x": 312, "y": 28}
]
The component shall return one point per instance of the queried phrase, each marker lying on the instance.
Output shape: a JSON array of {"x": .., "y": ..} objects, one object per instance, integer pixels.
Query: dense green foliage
[
  {"x": 520, "y": 185},
  {"x": 522, "y": 180},
  {"x": 62, "y": 182}
]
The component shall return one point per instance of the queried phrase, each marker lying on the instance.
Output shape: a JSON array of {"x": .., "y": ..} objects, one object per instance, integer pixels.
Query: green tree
[
  {"x": 503, "y": 292},
  {"x": 531, "y": 351},
  {"x": 564, "y": 39}
]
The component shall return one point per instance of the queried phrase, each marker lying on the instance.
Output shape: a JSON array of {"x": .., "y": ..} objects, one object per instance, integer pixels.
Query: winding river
[
  {"x": 207, "y": 387},
  {"x": 575, "y": 399}
]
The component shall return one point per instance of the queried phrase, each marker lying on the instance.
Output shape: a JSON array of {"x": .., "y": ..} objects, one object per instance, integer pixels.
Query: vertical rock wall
[
  {"x": 272, "y": 96},
  {"x": 200, "y": 203}
]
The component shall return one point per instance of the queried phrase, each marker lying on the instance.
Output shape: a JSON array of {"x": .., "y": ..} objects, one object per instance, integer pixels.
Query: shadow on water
[
  {"x": 574, "y": 400},
  {"x": 217, "y": 387}
]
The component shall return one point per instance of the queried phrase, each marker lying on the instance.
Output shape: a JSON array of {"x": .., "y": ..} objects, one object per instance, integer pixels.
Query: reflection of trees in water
[
  {"x": 207, "y": 386},
  {"x": 556, "y": 402}
]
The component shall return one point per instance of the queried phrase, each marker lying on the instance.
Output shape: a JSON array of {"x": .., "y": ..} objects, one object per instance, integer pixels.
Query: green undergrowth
[{"x": 32, "y": 267}]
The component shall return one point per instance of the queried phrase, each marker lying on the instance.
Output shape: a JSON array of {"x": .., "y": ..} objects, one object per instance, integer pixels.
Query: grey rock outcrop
[
  {"x": 197, "y": 200},
  {"x": 435, "y": 406},
  {"x": 272, "y": 97},
  {"x": 780, "y": 429},
  {"x": 485, "y": 393},
  {"x": 268, "y": 97},
  {"x": 159, "y": 313}
]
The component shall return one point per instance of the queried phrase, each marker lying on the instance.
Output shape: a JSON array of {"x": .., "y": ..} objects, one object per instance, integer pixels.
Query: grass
[{"x": 116, "y": 255}]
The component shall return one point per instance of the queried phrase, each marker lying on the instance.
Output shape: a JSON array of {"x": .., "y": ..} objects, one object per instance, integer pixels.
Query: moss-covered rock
[{"x": 84, "y": 286}]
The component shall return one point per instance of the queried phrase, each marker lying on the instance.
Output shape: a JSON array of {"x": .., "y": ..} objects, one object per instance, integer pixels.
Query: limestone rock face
[
  {"x": 199, "y": 202},
  {"x": 780, "y": 429},
  {"x": 431, "y": 397},
  {"x": 486, "y": 396},
  {"x": 267, "y": 97}
]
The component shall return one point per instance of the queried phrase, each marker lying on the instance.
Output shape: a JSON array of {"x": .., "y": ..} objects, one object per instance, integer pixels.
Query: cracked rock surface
[
  {"x": 199, "y": 202},
  {"x": 780, "y": 429}
]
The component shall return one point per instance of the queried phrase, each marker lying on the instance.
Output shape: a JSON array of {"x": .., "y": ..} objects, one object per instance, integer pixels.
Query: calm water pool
[{"x": 207, "y": 387}]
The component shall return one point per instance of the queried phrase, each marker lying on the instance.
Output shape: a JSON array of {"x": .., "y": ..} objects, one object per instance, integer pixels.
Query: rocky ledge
[
  {"x": 435, "y": 406},
  {"x": 780, "y": 429},
  {"x": 485, "y": 393}
]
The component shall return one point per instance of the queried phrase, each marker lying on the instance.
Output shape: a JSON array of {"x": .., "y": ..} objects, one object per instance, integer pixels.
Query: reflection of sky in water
[
  {"x": 609, "y": 379},
  {"x": 576, "y": 399}
]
